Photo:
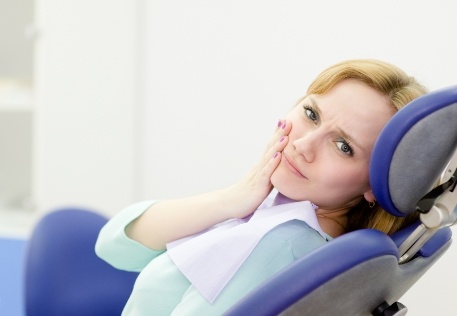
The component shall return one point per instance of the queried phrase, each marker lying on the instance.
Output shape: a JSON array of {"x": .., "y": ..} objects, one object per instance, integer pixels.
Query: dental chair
[
  {"x": 366, "y": 272},
  {"x": 64, "y": 276}
]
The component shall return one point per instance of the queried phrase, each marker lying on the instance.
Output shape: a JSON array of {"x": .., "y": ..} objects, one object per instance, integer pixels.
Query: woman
[{"x": 320, "y": 152}]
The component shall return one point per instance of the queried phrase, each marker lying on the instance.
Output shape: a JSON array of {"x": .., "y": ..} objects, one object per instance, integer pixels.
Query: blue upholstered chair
[
  {"x": 366, "y": 272},
  {"x": 63, "y": 275}
]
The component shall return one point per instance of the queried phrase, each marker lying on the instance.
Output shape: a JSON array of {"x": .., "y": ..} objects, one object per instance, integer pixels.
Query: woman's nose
[{"x": 306, "y": 145}]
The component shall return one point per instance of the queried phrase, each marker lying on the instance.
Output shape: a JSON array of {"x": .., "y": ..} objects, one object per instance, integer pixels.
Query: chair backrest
[
  {"x": 359, "y": 271},
  {"x": 352, "y": 275},
  {"x": 63, "y": 275}
]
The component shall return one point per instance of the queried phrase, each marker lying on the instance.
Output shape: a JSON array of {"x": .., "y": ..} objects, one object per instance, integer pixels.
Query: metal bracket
[{"x": 438, "y": 210}]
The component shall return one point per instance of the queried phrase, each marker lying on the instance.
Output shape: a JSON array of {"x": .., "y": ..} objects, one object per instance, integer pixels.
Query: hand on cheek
[
  {"x": 274, "y": 149},
  {"x": 256, "y": 185},
  {"x": 272, "y": 153}
]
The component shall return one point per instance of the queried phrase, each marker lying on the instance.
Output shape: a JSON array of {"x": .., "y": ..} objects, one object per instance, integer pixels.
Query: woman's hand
[
  {"x": 173, "y": 219},
  {"x": 247, "y": 194}
]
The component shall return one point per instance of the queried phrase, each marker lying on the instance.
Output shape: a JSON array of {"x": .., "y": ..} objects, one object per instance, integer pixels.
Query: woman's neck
[{"x": 334, "y": 222}]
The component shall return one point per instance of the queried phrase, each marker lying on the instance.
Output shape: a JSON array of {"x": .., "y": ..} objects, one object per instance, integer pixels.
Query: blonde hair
[{"x": 400, "y": 89}]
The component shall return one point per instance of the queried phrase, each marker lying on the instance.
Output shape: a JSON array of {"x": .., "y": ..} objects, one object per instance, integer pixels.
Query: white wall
[
  {"x": 85, "y": 104},
  {"x": 220, "y": 73}
]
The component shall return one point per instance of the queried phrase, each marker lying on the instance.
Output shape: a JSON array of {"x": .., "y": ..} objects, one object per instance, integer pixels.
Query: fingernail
[
  {"x": 275, "y": 155},
  {"x": 279, "y": 123},
  {"x": 281, "y": 139},
  {"x": 283, "y": 125}
]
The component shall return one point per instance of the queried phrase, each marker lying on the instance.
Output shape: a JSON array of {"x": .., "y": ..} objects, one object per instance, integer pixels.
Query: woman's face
[{"x": 327, "y": 157}]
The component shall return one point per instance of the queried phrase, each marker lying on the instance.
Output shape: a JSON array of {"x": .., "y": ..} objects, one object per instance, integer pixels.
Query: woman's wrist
[{"x": 239, "y": 201}]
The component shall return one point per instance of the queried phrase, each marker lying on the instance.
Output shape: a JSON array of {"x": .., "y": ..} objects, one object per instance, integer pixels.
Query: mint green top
[{"x": 161, "y": 289}]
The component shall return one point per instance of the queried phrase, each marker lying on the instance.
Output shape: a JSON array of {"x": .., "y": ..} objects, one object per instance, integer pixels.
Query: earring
[{"x": 371, "y": 204}]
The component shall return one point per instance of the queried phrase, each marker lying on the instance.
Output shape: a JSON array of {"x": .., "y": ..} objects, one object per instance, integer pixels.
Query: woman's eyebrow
[
  {"x": 340, "y": 131},
  {"x": 350, "y": 139}
]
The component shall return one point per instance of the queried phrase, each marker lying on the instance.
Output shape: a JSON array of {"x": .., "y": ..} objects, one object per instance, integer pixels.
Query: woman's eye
[
  {"x": 310, "y": 113},
  {"x": 344, "y": 147}
]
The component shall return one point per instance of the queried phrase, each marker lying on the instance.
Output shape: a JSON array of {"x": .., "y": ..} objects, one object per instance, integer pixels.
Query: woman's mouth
[{"x": 291, "y": 166}]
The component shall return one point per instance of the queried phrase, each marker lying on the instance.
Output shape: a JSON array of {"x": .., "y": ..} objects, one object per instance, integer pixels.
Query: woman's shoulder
[
  {"x": 294, "y": 229},
  {"x": 298, "y": 236}
]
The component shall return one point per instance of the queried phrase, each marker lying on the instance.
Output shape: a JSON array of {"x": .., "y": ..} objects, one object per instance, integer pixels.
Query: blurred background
[{"x": 105, "y": 103}]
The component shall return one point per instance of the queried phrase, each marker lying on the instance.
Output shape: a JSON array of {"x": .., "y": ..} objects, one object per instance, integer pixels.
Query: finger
[
  {"x": 277, "y": 142},
  {"x": 279, "y": 145},
  {"x": 280, "y": 122},
  {"x": 269, "y": 168},
  {"x": 283, "y": 128}
]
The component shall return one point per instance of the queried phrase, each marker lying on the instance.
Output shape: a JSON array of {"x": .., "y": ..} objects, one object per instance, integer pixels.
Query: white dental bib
[{"x": 211, "y": 258}]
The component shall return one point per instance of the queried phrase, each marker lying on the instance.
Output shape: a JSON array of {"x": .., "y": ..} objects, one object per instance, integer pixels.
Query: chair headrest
[{"x": 413, "y": 149}]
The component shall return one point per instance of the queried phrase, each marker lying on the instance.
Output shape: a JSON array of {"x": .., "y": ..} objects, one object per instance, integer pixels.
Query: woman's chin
[{"x": 285, "y": 188}]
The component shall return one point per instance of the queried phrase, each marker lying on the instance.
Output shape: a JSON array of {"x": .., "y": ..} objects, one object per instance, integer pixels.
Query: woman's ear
[{"x": 369, "y": 196}]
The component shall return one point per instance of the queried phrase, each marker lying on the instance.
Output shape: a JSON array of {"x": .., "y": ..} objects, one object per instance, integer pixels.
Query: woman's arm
[
  {"x": 173, "y": 219},
  {"x": 116, "y": 248}
]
